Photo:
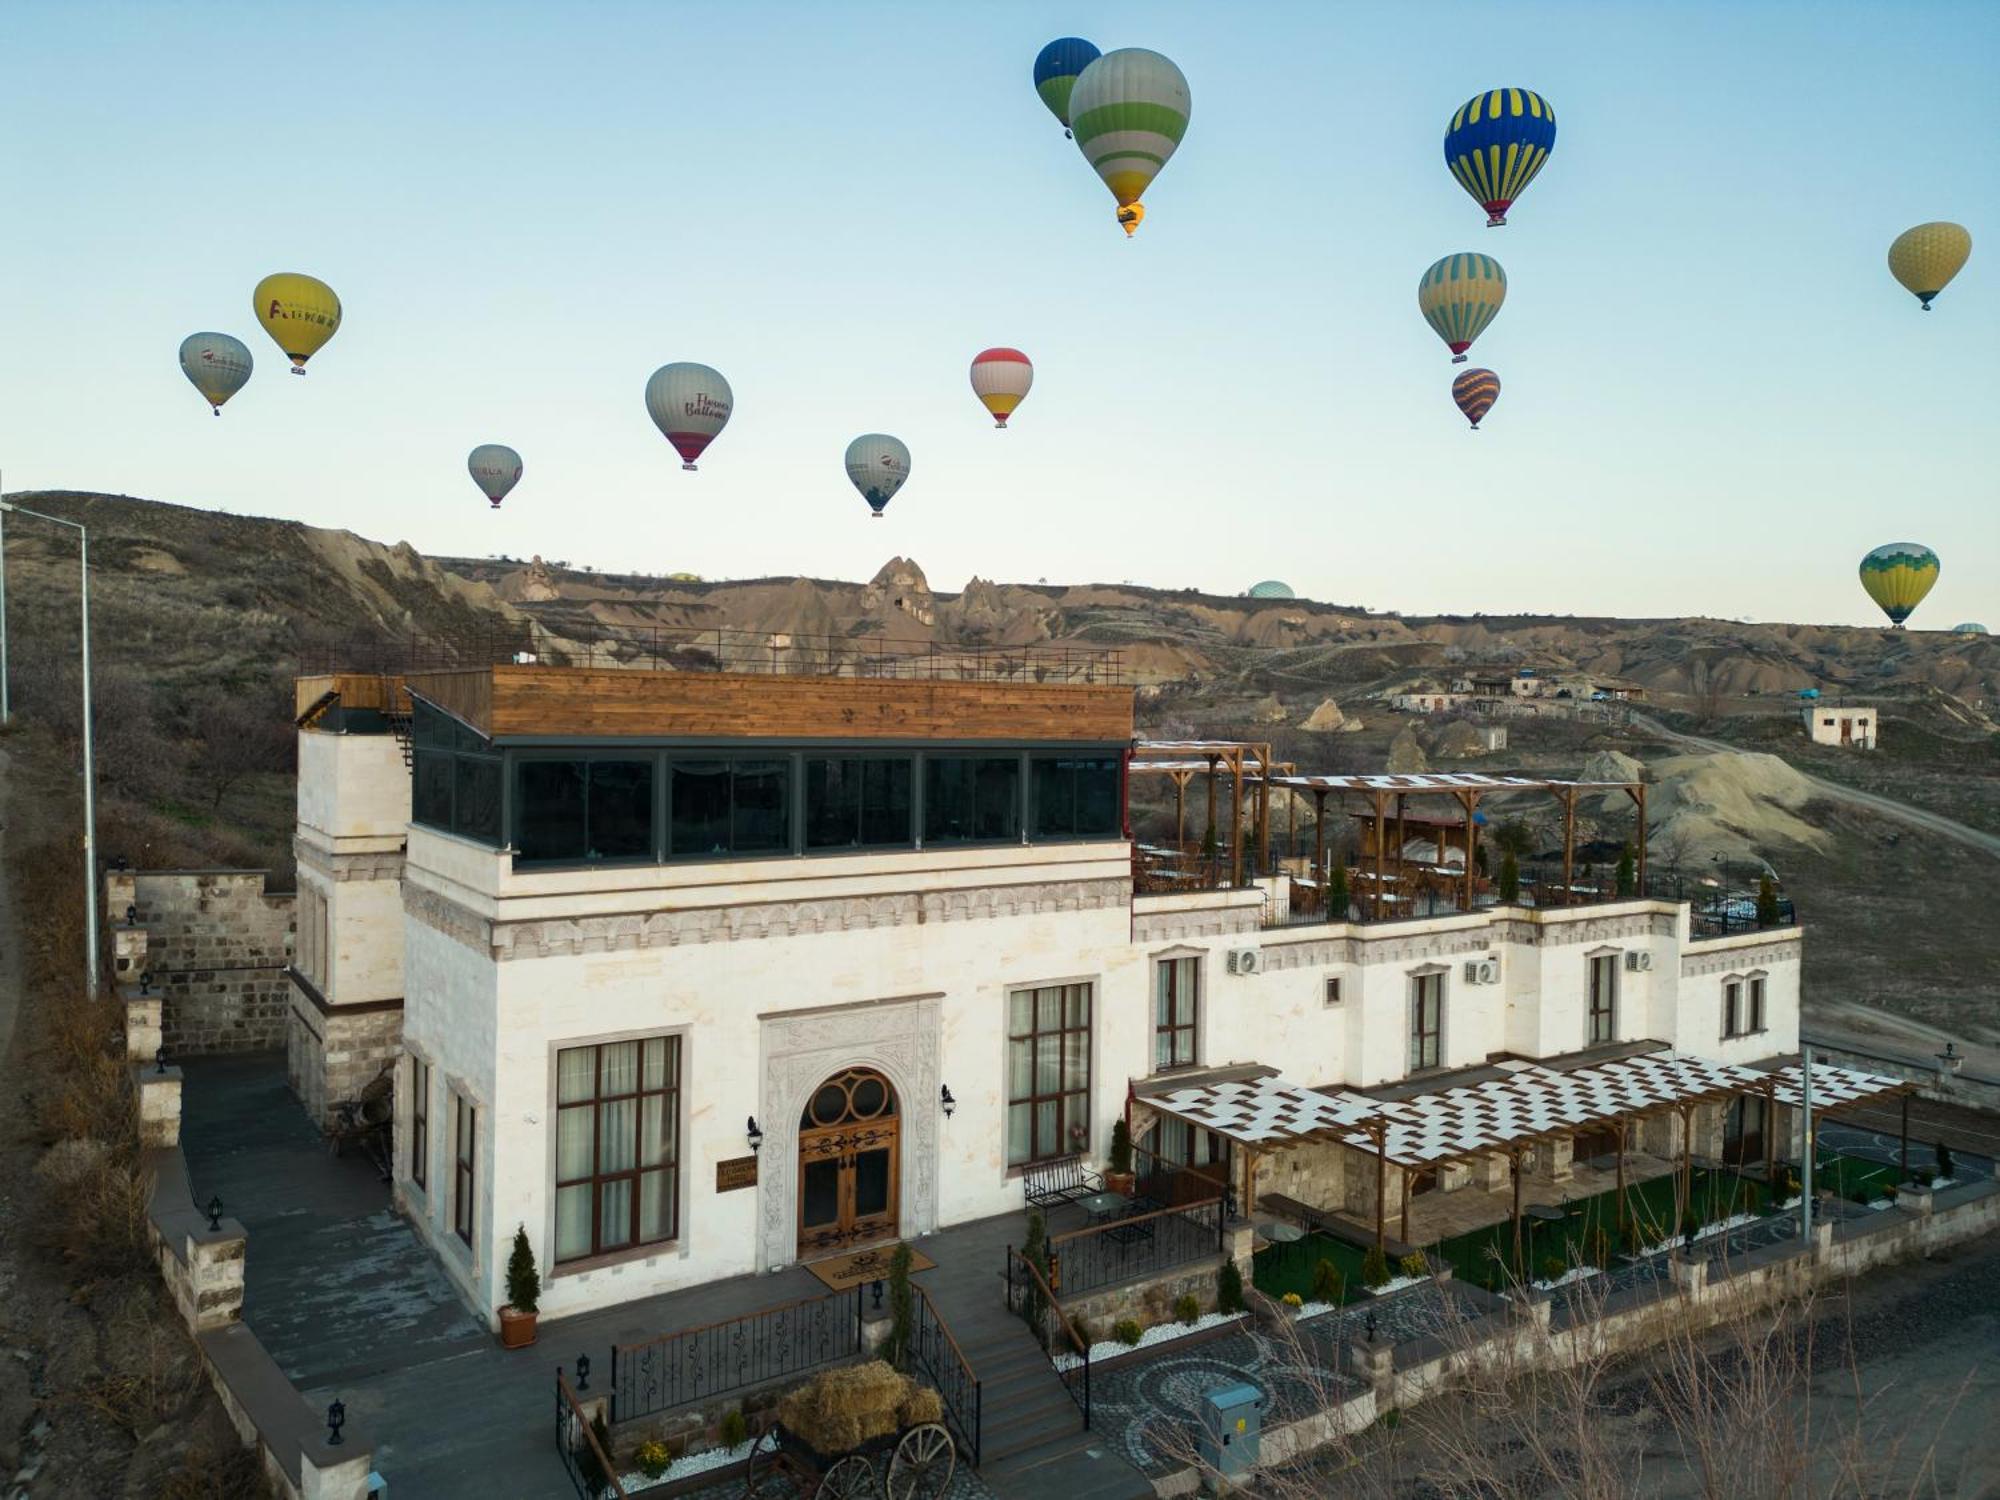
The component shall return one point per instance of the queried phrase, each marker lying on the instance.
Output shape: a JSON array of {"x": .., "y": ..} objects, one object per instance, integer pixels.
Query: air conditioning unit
[
  {"x": 1639, "y": 961},
  {"x": 1246, "y": 961},
  {"x": 1482, "y": 971}
]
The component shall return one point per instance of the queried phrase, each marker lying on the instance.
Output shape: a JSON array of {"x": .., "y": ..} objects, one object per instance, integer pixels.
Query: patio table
[
  {"x": 1277, "y": 1233},
  {"x": 1103, "y": 1205}
]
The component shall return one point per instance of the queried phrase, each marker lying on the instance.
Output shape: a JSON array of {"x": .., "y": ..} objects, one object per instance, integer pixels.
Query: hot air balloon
[
  {"x": 1001, "y": 379},
  {"x": 1897, "y": 575},
  {"x": 877, "y": 465},
  {"x": 1925, "y": 259},
  {"x": 1475, "y": 391},
  {"x": 1270, "y": 588},
  {"x": 496, "y": 469},
  {"x": 218, "y": 366},
  {"x": 690, "y": 403},
  {"x": 299, "y": 312},
  {"x": 1496, "y": 144},
  {"x": 1056, "y": 69},
  {"x": 1129, "y": 111},
  {"x": 1970, "y": 627},
  {"x": 1459, "y": 296}
]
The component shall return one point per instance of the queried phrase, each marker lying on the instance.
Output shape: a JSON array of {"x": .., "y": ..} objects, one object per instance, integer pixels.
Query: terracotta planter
[
  {"x": 517, "y": 1329},
  {"x": 1121, "y": 1182}
]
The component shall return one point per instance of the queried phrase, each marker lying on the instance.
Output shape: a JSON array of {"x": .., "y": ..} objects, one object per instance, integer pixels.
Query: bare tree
[{"x": 232, "y": 737}]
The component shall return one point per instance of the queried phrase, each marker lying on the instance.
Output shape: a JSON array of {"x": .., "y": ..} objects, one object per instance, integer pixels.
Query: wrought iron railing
[
  {"x": 584, "y": 1458},
  {"x": 697, "y": 1364},
  {"x": 669, "y": 648},
  {"x": 1029, "y": 1297},
  {"x": 1175, "y": 1184},
  {"x": 950, "y": 1374},
  {"x": 1141, "y": 1244}
]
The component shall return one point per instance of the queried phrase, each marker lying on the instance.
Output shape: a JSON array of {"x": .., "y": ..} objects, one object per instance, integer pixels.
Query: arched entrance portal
[{"x": 849, "y": 1135}]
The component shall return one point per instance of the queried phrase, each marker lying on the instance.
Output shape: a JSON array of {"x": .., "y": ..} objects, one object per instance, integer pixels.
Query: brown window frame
[
  {"x": 420, "y": 1122},
  {"x": 1180, "y": 1025},
  {"x": 1603, "y": 999},
  {"x": 1754, "y": 992},
  {"x": 629, "y": 1179},
  {"x": 1333, "y": 994},
  {"x": 1426, "y": 1043},
  {"x": 1732, "y": 1009},
  {"x": 1039, "y": 1151},
  {"x": 465, "y": 1174}
]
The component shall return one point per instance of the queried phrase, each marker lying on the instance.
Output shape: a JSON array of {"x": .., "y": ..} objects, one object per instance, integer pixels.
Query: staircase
[{"x": 1034, "y": 1445}]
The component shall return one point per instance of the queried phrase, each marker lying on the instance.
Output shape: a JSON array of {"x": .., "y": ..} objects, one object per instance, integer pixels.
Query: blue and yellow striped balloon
[
  {"x": 1459, "y": 296},
  {"x": 1496, "y": 144},
  {"x": 1057, "y": 67}
]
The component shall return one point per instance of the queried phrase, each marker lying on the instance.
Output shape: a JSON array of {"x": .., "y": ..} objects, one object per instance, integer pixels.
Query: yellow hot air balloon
[
  {"x": 299, "y": 312},
  {"x": 1925, "y": 259},
  {"x": 1897, "y": 575}
]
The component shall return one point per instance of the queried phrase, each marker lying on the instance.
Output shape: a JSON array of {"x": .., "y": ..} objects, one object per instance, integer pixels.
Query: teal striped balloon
[
  {"x": 1459, "y": 296},
  {"x": 1129, "y": 110}
]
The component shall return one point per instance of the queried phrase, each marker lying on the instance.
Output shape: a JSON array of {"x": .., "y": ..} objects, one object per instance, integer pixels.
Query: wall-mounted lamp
[
  {"x": 214, "y": 1212},
  {"x": 336, "y": 1418},
  {"x": 131, "y": 916},
  {"x": 949, "y": 1103},
  {"x": 583, "y": 1372},
  {"x": 756, "y": 1136},
  {"x": 1949, "y": 1058},
  {"x": 145, "y": 981}
]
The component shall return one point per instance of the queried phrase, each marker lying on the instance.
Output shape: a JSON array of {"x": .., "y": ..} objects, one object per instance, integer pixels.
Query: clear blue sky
[{"x": 1715, "y": 396}]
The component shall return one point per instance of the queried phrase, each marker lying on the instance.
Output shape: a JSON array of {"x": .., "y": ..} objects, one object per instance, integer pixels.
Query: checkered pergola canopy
[
  {"x": 1530, "y": 1103},
  {"x": 1439, "y": 781}
]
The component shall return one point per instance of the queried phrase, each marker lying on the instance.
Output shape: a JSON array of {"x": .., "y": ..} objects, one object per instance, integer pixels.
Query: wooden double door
[{"x": 850, "y": 1160}]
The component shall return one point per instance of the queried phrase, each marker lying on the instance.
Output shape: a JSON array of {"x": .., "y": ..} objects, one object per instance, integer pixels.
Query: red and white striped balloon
[{"x": 1001, "y": 379}]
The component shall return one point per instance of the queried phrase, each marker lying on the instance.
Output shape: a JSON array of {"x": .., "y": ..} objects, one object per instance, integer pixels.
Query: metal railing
[
  {"x": 667, "y": 648},
  {"x": 1175, "y": 1184},
  {"x": 1029, "y": 1297},
  {"x": 944, "y": 1364},
  {"x": 1140, "y": 1244},
  {"x": 584, "y": 1458},
  {"x": 696, "y": 1364}
]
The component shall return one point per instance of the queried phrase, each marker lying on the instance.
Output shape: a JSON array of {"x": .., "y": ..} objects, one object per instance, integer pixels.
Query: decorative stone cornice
[
  {"x": 1637, "y": 924},
  {"x": 1696, "y": 963},
  {"x": 1195, "y": 922},
  {"x": 378, "y": 864},
  {"x": 620, "y": 932}
]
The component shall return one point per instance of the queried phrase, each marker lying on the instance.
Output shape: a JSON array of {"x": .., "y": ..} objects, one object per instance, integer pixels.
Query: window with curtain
[
  {"x": 580, "y": 810},
  {"x": 721, "y": 807},
  {"x": 1048, "y": 1072},
  {"x": 971, "y": 799},
  {"x": 617, "y": 1146},
  {"x": 1077, "y": 797},
  {"x": 1604, "y": 998},
  {"x": 420, "y": 1121},
  {"x": 1176, "y": 999},
  {"x": 465, "y": 1143},
  {"x": 1426, "y": 1021},
  {"x": 855, "y": 802}
]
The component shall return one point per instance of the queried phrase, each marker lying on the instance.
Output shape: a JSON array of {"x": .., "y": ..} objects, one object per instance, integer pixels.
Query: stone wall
[
  {"x": 333, "y": 1052},
  {"x": 217, "y": 945}
]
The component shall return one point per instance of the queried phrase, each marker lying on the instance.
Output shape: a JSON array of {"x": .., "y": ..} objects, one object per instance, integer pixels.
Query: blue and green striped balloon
[
  {"x": 1057, "y": 67},
  {"x": 1459, "y": 296}
]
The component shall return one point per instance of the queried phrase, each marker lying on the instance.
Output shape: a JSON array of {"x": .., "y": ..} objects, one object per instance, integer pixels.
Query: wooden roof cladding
[
  {"x": 538, "y": 702},
  {"x": 356, "y": 689}
]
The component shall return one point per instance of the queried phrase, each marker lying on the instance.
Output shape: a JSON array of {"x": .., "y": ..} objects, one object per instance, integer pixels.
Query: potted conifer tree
[
  {"x": 1120, "y": 1179},
  {"x": 524, "y": 1295}
]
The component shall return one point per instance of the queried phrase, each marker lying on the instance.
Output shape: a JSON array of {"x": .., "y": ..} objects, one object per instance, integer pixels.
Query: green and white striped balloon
[{"x": 1129, "y": 111}]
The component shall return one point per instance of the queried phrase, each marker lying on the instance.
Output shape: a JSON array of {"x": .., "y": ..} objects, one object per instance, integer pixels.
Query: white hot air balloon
[
  {"x": 217, "y": 365},
  {"x": 690, "y": 404},
  {"x": 496, "y": 469},
  {"x": 877, "y": 465}
]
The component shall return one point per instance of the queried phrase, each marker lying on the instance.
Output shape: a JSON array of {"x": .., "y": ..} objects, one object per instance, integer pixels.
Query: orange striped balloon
[
  {"x": 1475, "y": 391},
  {"x": 1001, "y": 379}
]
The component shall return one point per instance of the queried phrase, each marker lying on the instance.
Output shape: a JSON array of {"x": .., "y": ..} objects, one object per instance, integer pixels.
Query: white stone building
[
  {"x": 696, "y": 975},
  {"x": 1848, "y": 726}
]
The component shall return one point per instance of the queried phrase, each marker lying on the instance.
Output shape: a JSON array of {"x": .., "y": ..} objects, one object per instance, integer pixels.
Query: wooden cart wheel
[
  {"x": 922, "y": 1465},
  {"x": 772, "y": 1475},
  {"x": 853, "y": 1478}
]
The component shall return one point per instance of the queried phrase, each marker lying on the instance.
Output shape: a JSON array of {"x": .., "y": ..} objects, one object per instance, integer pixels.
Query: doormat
[{"x": 843, "y": 1271}]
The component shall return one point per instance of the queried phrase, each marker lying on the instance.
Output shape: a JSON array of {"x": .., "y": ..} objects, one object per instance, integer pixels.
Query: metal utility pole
[
  {"x": 89, "y": 767},
  {"x": 1806, "y": 1166},
  {"x": 6, "y": 714}
]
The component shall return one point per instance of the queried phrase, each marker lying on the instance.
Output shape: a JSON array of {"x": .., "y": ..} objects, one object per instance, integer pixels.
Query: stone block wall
[
  {"x": 333, "y": 1052},
  {"x": 217, "y": 944}
]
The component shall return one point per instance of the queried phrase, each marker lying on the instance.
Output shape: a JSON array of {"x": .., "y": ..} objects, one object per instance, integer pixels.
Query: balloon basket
[
  {"x": 1496, "y": 221},
  {"x": 688, "y": 467},
  {"x": 494, "y": 503},
  {"x": 216, "y": 410},
  {"x": 298, "y": 369},
  {"x": 1458, "y": 359}
]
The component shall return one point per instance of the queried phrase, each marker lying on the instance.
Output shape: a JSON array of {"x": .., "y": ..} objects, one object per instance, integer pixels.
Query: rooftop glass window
[
  {"x": 971, "y": 799},
  {"x": 721, "y": 807},
  {"x": 455, "y": 776},
  {"x": 855, "y": 802},
  {"x": 588, "y": 808},
  {"x": 1077, "y": 797}
]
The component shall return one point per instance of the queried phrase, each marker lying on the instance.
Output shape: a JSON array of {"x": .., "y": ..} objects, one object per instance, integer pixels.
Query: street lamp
[{"x": 89, "y": 769}]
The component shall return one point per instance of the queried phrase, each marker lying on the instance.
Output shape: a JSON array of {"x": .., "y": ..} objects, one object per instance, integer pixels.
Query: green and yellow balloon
[
  {"x": 1129, "y": 110},
  {"x": 1897, "y": 575},
  {"x": 1459, "y": 296}
]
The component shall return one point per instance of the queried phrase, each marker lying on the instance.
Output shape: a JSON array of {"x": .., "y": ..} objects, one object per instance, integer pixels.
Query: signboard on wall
[{"x": 737, "y": 1172}]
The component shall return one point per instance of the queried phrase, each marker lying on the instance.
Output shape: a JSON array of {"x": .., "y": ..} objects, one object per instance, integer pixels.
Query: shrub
[
  {"x": 1552, "y": 1267},
  {"x": 1036, "y": 1253},
  {"x": 1767, "y": 901},
  {"x": 1943, "y": 1154},
  {"x": 1327, "y": 1283},
  {"x": 1479, "y": 859},
  {"x": 1337, "y": 898},
  {"x": 1510, "y": 878},
  {"x": 734, "y": 1431},
  {"x": 1229, "y": 1288},
  {"x": 653, "y": 1458},
  {"x": 1293, "y": 1300},
  {"x": 1375, "y": 1267},
  {"x": 1127, "y": 1331},
  {"x": 1625, "y": 879},
  {"x": 897, "y": 1348},
  {"x": 1414, "y": 1264},
  {"x": 594, "y": 1472},
  {"x": 1186, "y": 1308},
  {"x": 524, "y": 1283},
  {"x": 1121, "y": 1146},
  {"x": 1080, "y": 1328}
]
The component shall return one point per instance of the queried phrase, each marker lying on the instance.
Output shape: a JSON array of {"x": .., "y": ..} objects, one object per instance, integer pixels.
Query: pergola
[
  {"x": 1182, "y": 760},
  {"x": 1467, "y": 789},
  {"x": 1527, "y": 1105}
]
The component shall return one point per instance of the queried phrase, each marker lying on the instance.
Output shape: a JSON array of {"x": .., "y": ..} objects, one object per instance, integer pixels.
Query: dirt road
[{"x": 1833, "y": 791}]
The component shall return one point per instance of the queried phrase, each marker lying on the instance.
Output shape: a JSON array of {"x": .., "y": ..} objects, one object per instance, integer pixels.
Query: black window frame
[
  {"x": 1732, "y": 1008},
  {"x": 905, "y": 759},
  {"x": 930, "y": 780},
  {"x": 420, "y": 1123},
  {"x": 1178, "y": 1029},
  {"x": 1065, "y": 1128},
  {"x": 517, "y": 804},
  {"x": 446, "y": 746},
  {"x": 1426, "y": 1044},
  {"x": 1602, "y": 999},
  {"x": 789, "y": 779},
  {"x": 465, "y": 1166},
  {"x": 1068, "y": 833}
]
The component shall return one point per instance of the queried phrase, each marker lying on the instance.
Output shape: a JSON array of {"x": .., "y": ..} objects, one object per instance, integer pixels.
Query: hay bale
[
  {"x": 922, "y": 1405},
  {"x": 842, "y": 1409}
]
